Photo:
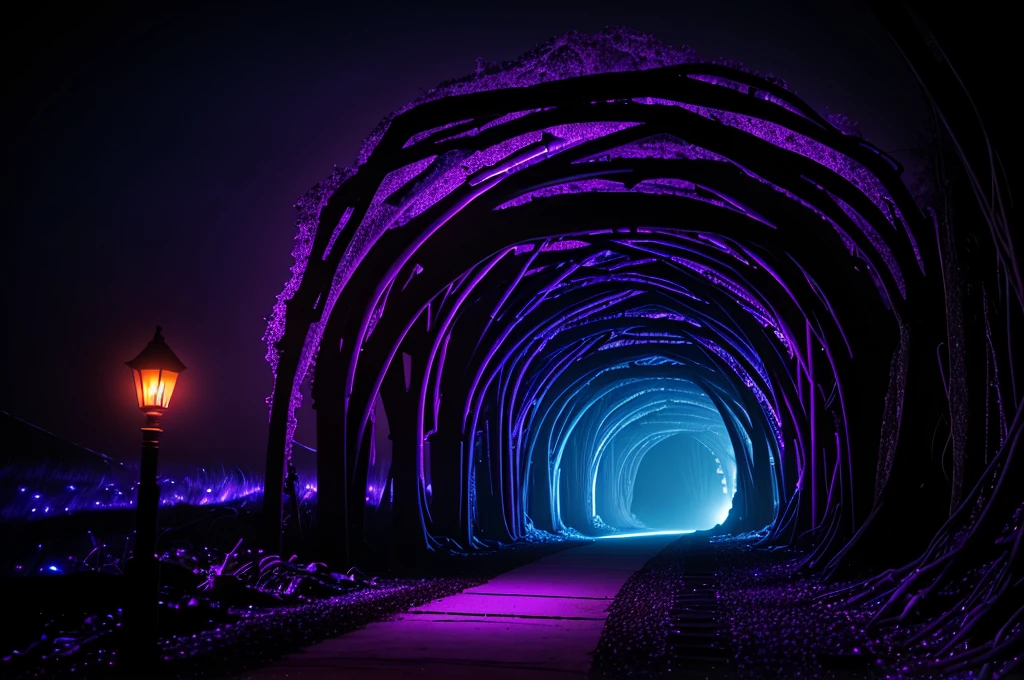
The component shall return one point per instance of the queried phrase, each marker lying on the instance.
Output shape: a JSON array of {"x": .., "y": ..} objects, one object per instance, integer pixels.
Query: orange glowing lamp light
[{"x": 155, "y": 371}]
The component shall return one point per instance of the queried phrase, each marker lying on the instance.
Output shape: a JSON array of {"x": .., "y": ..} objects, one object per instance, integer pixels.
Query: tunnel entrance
[
  {"x": 540, "y": 270},
  {"x": 681, "y": 485},
  {"x": 529, "y": 295}
]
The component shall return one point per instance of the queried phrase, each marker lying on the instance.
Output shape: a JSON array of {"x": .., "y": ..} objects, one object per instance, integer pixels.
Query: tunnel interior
[
  {"x": 611, "y": 287},
  {"x": 640, "y": 254}
]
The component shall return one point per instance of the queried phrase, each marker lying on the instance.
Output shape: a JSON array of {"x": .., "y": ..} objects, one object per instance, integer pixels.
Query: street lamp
[{"x": 155, "y": 372}]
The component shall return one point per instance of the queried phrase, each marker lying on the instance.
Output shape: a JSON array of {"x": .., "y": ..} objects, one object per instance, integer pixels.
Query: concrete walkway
[{"x": 539, "y": 621}]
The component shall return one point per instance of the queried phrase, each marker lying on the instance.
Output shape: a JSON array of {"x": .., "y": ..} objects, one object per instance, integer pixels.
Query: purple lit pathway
[{"x": 542, "y": 620}]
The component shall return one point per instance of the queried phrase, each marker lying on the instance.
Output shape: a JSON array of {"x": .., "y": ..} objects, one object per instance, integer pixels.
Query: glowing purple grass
[{"x": 56, "y": 495}]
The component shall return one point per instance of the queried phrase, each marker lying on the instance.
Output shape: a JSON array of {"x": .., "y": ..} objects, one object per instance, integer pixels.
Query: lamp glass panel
[{"x": 153, "y": 387}]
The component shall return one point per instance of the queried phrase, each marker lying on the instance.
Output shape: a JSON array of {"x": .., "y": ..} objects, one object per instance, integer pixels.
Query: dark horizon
[{"x": 159, "y": 156}]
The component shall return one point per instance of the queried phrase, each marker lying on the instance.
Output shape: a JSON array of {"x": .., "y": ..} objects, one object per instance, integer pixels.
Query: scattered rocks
[{"x": 772, "y": 624}]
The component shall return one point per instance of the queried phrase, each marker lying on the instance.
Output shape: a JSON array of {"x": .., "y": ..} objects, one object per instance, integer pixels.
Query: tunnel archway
[
  {"x": 617, "y": 231},
  {"x": 539, "y": 270}
]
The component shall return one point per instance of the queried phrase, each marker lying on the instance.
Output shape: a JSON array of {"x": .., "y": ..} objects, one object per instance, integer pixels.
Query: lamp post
[{"x": 155, "y": 371}]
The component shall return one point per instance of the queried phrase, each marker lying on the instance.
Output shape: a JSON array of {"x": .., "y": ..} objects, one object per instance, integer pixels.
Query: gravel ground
[
  {"x": 780, "y": 629},
  {"x": 773, "y": 627},
  {"x": 769, "y": 624}
]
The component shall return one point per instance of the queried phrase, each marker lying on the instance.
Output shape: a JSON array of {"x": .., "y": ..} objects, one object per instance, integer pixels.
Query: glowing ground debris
[{"x": 645, "y": 534}]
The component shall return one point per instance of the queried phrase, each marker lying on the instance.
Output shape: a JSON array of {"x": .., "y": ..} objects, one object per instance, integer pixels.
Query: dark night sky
[{"x": 152, "y": 160}]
